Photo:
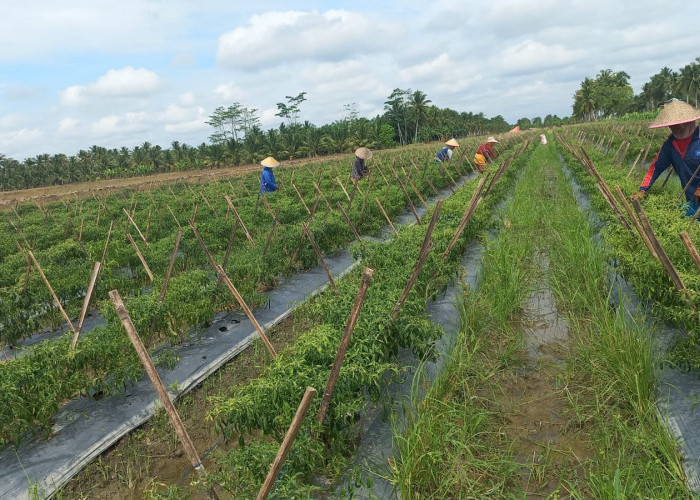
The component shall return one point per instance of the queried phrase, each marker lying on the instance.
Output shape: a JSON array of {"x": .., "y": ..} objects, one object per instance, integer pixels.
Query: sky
[{"x": 79, "y": 73}]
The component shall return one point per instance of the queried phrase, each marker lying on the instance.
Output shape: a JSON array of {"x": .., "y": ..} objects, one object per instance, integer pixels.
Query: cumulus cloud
[
  {"x": 534, "y": 56},
  {"x": 67, "y": 126},
  {"x": 279, "y": 37},
  {"x": 125, "y": 82}
]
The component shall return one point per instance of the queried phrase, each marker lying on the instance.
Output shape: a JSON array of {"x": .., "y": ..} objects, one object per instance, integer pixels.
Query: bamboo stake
[
  {"x": 685, "y": 237},
  {"x": 287, "y": 443},
  {"x": 140, "y": 255},
  {"x": 148, "y": 224},
  {"x": 320, "y": 193},
  {"x": 238, "y": 218},
  {"x": 608, "y": 196},
  {"x": 303, "y": 233},
  {"x": 247, "y": 311},
  {"x": 320, "y": 257},
  {"x": 344, "y": 343},
  {"x": 182, "y": 207},
  {"x": 414, "y": 275},
  {"x": 408, "y": 198},
  {"x": 663, "y": 257},
  {"x": 136, "y": 226},
  {"x": 187, "y": 444},
  {"x": 48, "y": 285},
  {"x": 418, "y": 194},
  {"x": 206, "y": 200},
  {"x": 386, "y": 216},
  {"x": 86, "y": 303},
  {"x": 174, "y": 218},
  {"x": 468, "y": 212},
  {"x": 301, "y": 198},
  {"x": 364, "y": 199},
  {"x": 352, "y": 227},
  {"x": 634, "y": 220},
  {"x": 171, "y": 265},
  {"x": 344, "y": 190},
  {"x": 104, "y": 250}
]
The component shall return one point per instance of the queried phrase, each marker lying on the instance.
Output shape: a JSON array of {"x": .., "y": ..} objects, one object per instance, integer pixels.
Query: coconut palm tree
[{"x": 418, "y": 105}]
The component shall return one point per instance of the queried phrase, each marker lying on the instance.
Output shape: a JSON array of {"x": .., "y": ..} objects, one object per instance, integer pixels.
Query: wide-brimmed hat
[
  {"x": 269, "y": 162},
  {"x": 491, "y": 139},
  {"x": 363, "y": 153},
  {"x": 675, "y": 112},
  {"x": 452, "y": 143}
]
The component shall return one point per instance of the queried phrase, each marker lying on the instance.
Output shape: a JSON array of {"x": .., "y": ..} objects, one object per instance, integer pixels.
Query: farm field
[{"x": 140, "y": 237}]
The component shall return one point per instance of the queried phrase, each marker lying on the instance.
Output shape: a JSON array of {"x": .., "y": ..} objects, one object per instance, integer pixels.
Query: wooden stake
[
  {"x": 634, "y": 220},
  {"x": 386, "y": 216},
  {"x": 344, "y": 190},
  {"x": 344, "y": 343},
  {"x": 471, "y": 207},
  {"x": 104, "y": 250},
  {"x": 320, "y": 256},
  {"x": 137, "y": 227},
  {"x": 174, "y": 218},
  {"x": 187, "y": 444},
  {"x": 418, "y": 194},
  {"x": 349, "y": 223},
  {"x": 663, "y": 257},
  {"x": 287, "y": 443},
  {"x": 238, "y": 218},
  {"x": 301, "y": 198},
  {"x": 140, "y": 255},
  {"x": 685, "y": 237},
  {"x": 303, "y": 233},
  {"x": 414, "y": 275},
  {"x": 86, "y": 303},
  {"x": 247, "y": 311},
  {"x": 48, "y": 285}
]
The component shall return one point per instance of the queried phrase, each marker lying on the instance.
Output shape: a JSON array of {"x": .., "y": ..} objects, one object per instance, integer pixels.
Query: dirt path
[{"x": 82, "y": 189}]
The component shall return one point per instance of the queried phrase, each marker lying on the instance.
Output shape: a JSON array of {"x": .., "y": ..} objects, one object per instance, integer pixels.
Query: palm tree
[
  {"x": 689, "y": 81},
  {"x": 584, "y": 105},
  {"x": 419, "y": 107}
]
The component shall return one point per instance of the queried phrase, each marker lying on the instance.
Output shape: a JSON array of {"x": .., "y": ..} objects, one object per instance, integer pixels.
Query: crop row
[
  {"x": 32, "y": 386},
  {"x": 662, "y": 207}
]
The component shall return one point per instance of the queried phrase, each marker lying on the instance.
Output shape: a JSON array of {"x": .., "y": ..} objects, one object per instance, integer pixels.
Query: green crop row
[
  {"x": 267, "y": 404},
  {"x": 33, "y": 386}
]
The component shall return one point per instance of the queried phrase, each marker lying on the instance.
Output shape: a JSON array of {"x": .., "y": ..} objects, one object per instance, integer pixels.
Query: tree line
[
  {"x": 609, "y": 94},
  {"x": 238, "y": 138}
]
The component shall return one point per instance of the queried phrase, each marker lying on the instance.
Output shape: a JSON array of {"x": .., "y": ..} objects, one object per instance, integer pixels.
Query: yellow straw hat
[
  {"x": 363, "y": 153},
  {"x": 269, "y": 162},
  {"x": 675, "y": 112},
  {"x": 452, "y": 143},
  {"x": 491, "y": 139}
]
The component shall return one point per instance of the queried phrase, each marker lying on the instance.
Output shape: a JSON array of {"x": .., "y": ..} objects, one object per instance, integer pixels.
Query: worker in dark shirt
[
  {"x": 680, "y": 150},
  {"x": 359, "y": 169}
]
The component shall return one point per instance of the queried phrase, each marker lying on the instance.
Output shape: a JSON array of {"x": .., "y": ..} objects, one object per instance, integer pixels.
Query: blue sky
[{"x": 79, "y": 73}]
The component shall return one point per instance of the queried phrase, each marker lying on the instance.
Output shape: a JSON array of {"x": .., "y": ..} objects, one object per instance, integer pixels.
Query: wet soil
[{"x": 533, "y": 405}]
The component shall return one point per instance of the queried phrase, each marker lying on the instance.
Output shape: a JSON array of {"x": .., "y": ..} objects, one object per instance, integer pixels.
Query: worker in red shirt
[
  {"x": 485, "y": 154},
  {"x": 680, "y": 150}
]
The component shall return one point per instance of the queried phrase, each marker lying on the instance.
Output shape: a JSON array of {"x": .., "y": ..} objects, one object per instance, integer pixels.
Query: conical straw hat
[
  {"x": 491, "y": 139},
  {"x": 452, "y": 143},
  {"x": 269, "y": 162},
  {"x": 675, "y": 112},
  {"x": 363, "y": 153}
]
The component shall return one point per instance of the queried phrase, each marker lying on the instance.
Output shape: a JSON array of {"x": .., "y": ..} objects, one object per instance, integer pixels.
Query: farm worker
[
  {"x": 485, "y": 154},
  {"x": 267, "y": 179},
  {"x": 543, "y": 139},
  {"x": 359, "y": 169},
  {"x": 681, "y": 149},
  {"x": 445, "y": 154}
]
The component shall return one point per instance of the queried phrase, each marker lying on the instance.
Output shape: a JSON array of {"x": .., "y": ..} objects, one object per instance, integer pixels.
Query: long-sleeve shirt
[
  {"x": 267, "y": 181},
  {"x": 486, "y": 149},
  {"x": 358, "y": 168},
  {"x": 684, "y": 155}
]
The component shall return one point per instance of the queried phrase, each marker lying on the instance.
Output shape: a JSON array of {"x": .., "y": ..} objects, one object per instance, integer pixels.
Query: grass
[{"x": 465, "y": 440}]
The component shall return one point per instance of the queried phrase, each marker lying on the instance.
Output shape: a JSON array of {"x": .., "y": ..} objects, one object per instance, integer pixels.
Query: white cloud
[
  {"x": 439, "y": 67},
  {"x": 229, "y": 92},
  {"x": 126, "y": 82},
  {"x": 532, "y": 55},
  {"x": 280, "y": 37},
  {"x": 67, "y": 125}
]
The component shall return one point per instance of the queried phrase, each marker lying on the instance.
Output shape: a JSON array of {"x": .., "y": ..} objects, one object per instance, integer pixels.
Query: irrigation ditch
[{"x": 549, "y": 391}]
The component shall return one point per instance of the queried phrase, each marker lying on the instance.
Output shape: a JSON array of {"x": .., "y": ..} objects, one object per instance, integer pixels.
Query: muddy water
[{"x": 533, "y": 400}]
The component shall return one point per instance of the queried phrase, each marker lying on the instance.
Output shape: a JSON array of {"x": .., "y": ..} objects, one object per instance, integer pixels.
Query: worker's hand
[
  {"x": 696, "y": 194},
  {"x": 638, "y": 195}
]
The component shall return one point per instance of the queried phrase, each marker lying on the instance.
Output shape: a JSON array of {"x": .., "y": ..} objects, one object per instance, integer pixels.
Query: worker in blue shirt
[{"x": 267, "y": 179}]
